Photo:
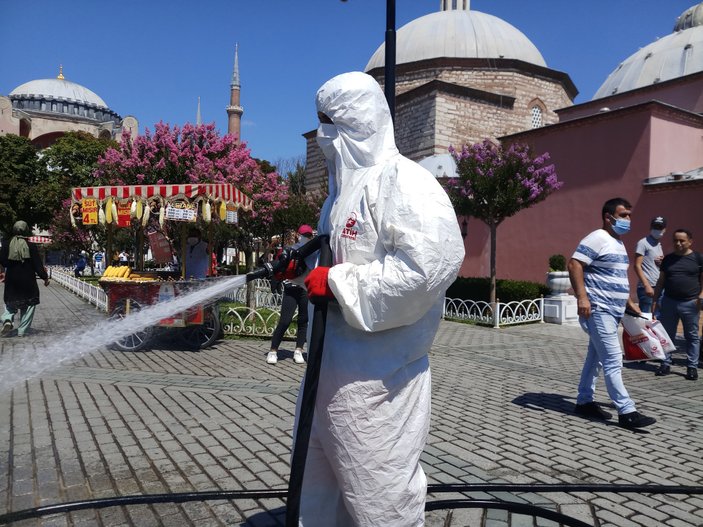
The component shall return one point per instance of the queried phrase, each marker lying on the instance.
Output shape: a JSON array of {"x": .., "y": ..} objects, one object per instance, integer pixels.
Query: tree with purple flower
[{"x": 494, "y": 183}]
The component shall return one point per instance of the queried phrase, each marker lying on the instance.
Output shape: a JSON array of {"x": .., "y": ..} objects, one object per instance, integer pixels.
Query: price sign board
[
  {"x": 231, "y": 215},
  {"x": 124, "y": 213},
  {"x": 181, "y": 211},
  {"x": 90, "y": 211}
]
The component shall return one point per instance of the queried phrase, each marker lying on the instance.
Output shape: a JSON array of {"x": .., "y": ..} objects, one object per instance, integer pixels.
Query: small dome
[
  {"x": 670, "y": 57},
  {"x": 692, "y": 17},
  {"x": 59, "y": 89},
  {"x": 459, "y": 33}
]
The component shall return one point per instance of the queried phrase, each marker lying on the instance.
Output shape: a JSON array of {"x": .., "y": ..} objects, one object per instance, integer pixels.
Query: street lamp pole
[
  {"x": 389, "y": 68},
  {"x": 389, "y": 83}
]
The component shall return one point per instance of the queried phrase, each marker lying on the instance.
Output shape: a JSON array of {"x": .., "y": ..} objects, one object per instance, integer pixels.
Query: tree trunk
[
  {"x": 494, "y": 231},
  {"x": 249, "y": 261}
]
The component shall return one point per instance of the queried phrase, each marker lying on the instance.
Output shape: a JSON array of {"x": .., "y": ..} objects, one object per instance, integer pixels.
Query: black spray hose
[
  {"x": 307, "y": 404},
  {"x": 454, "y": 488},
  {"x": 278, "y": 266}
]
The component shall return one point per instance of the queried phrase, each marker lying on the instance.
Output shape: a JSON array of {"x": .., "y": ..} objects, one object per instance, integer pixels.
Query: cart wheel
[
  {"x": 135, "y": 341},
  {"x": 203, "y": 335}
]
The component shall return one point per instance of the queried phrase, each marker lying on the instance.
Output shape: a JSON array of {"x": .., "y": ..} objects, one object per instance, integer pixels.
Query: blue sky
[{"x": 154, "y": 58}]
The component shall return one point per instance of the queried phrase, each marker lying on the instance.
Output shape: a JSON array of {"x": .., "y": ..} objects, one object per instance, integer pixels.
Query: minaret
[
  {"x": 198, "y": 120},
  {"x": 234, "y": 110}
]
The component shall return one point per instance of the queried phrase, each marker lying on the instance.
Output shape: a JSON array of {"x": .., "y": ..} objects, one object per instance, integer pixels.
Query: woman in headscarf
[{"x": 22, "y": 264}]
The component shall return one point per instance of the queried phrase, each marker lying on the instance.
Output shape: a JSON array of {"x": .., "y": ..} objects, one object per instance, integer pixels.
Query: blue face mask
[{"x": 621, "y": 226}]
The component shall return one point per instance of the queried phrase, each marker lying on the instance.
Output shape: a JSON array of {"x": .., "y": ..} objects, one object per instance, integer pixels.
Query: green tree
[
  {"x": 72, "y": 162},
  {"x": 21, "y": 173}
]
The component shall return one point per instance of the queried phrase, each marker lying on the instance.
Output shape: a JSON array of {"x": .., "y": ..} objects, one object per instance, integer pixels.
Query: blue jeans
[
  {"x": 604, "y": 352},
  {"x": 687, "y": 311}
]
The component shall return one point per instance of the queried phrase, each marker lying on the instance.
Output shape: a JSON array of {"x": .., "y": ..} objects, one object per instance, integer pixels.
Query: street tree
[
  {"x": 21, "y": 174},
  {"x": 494, "y": 183}
]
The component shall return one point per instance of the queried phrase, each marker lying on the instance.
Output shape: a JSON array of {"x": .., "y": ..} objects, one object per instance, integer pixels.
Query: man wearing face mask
[
  {"x": 294, "y": 297},
  {"x": 598, "y": 273},
  {"x": 648, "y": 259},
  {"x": 197, "y": 257},
  {"x": 396, "y": 247}
]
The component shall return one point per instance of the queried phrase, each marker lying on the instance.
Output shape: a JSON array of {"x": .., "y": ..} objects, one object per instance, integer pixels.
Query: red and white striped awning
[
  {"x": 215, "y": 191},
  {"x": 39, "y": 239}
]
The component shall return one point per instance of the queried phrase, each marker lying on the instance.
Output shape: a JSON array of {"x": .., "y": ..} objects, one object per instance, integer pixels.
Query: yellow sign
[{"x": 90, "y": 211}]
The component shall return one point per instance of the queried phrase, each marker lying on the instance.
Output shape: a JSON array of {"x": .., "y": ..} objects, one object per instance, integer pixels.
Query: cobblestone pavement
[{"x": 110, "y": 423}]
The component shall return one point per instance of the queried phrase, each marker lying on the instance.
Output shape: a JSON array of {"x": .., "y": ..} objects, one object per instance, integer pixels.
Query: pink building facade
[{"x": 645, "y": 145}]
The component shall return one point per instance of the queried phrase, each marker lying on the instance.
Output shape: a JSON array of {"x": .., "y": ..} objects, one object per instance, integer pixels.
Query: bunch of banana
[
  {"x": 223, "y": 210},
  {"x": 108, "y": 211},
  {"x": 144, "y": 215}
]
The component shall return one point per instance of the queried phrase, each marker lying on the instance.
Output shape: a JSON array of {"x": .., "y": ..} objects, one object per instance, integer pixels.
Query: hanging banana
[
  {"x": 108, "y": 210},
  {"x": 114, "y": 211},
  {"x": 140, "y": 209},
  {"x": 223, "y": 210}
]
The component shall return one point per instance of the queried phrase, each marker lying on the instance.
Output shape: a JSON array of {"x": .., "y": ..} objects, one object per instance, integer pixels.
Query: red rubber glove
[{"x": 317, "y": 284}]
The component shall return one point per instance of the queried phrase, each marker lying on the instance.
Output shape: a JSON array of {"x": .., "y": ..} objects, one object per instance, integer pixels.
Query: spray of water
[{"x": 22, "y": 364}]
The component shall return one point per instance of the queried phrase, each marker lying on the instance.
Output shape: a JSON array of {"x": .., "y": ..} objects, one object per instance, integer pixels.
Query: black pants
[{"x": 293, "y": 297}]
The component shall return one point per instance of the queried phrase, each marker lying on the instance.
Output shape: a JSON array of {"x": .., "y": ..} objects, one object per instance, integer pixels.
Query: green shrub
[
  {"x": 557, "y": 262},
  {"x": 479, "y": 289}
]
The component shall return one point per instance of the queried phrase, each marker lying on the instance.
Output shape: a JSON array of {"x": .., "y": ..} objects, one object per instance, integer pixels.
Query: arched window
[{"x": 536, "y": 120}]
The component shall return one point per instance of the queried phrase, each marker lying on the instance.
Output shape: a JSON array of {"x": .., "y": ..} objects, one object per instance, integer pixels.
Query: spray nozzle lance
[{"x": 269, "y": 269}]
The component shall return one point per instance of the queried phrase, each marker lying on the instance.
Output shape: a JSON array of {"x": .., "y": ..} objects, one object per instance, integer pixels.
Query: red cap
[{"x": 305, "y": 230}]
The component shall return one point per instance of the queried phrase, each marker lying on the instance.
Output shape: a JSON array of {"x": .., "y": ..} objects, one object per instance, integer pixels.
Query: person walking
[
  {"x": 21, "y": 264},
  {"x": 681, "y": 278},
  {"x": 80, "y": 265},
  {"x": 648, "y": 259},
  {"x": 598, "y": 273},
  {"x": 396, "y": 247},
  {"x": 294, "y": 297}
]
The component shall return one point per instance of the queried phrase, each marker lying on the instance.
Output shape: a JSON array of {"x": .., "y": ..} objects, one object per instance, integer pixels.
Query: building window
[
  {"x": 536, "y": 114},
  {"x": 53, "y": 106},
  {"x": 43, "y": 106}
]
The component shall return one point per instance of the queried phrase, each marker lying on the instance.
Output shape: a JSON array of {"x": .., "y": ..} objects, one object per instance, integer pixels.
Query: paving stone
[{"x": 166, "y": 420}]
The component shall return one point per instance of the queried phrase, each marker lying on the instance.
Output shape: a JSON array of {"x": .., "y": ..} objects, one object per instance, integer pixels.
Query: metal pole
[{"x": 389, "y": 82}]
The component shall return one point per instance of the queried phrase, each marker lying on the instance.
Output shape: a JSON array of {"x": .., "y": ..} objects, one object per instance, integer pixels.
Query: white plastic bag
[{"x": 644, "y": 339}]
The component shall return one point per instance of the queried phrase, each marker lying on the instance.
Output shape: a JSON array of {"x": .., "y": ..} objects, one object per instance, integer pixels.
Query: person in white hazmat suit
[{"x": 396, "y": 248}]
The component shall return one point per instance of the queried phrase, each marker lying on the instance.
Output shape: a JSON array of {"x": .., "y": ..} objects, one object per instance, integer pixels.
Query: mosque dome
[
  {"x": 459, "y": 33},
  {"x": 59, "y": 88},
  {"x": 670, "y": 57}
]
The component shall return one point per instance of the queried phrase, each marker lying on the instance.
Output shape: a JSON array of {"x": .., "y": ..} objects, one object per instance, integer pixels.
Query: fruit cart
[{"x": 149, "y": 206}]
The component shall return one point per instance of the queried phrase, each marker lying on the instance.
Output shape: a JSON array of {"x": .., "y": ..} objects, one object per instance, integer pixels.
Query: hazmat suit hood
[{"x": 362, "y": 134}]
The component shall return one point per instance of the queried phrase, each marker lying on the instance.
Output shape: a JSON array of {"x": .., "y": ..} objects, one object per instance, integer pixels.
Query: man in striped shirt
[{"x": 598, "y": 273}]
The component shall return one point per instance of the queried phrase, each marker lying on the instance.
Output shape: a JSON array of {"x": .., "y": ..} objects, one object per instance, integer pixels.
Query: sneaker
[
  {"x": 635, "y": 420},
  {"x": 6, "y": 328},
  {"x": 272, "y": 357},
  {"x": 691, "y": 374},
  {"x": 591, "y": 410},
  {"x": 664, "y": 369},
  {"x": 298, "y": 356}
]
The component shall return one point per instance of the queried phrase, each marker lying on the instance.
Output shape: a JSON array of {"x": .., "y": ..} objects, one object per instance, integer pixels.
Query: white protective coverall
[{"x": 397, "y": 247}]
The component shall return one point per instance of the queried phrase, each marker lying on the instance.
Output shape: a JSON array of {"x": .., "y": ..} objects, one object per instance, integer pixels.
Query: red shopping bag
[{"x": 644, "y": 339}]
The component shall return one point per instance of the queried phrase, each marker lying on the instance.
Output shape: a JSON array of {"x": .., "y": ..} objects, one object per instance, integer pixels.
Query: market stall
[{"x": 129, "y": 288}]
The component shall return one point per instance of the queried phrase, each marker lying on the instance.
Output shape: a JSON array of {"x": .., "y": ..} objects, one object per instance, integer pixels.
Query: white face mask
[
  {"x": 327, "y": 139},
  {"x": 656, "y": 233},
  {"x": 192, "y": 240}
]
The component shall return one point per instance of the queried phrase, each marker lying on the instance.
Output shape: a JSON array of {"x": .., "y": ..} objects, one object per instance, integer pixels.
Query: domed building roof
[
  {"x": 459, "y": 33},
  {"x": 59, "y": 88},
  {"x": 676, "y": 55}
]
